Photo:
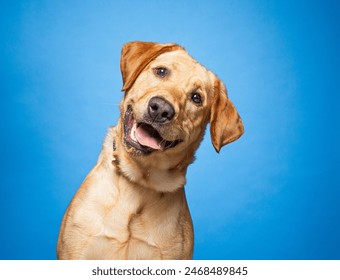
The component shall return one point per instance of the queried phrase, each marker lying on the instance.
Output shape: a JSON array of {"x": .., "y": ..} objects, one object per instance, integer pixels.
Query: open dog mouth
[{"x": 144, "y": 136}]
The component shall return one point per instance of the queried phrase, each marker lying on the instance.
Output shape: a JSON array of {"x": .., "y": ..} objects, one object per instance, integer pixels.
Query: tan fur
[{"x": 133, "y": 206}]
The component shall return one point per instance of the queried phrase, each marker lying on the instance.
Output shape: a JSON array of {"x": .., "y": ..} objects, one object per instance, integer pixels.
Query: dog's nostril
[{"x": 154, "y": 107}]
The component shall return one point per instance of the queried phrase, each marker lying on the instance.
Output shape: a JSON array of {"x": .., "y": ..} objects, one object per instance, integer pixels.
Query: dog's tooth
[{"x": 133, "y": 131}]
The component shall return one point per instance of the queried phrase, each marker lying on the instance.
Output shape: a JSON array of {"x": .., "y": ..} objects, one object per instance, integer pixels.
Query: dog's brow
[{"x": 195, "y": 84}]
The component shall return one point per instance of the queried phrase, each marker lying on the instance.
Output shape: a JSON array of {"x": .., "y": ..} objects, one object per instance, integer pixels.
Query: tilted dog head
[{"x": 169, "y": 99}]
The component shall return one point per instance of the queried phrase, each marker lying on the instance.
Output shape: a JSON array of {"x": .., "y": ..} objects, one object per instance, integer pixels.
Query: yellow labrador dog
[{"x": 132, "y": 204}]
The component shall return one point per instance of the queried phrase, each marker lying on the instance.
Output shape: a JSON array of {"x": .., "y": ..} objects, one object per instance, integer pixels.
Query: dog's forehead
[{"x": 181, "y": 61}]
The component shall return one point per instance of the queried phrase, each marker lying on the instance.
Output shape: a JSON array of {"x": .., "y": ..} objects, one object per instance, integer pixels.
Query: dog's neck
[
  {"x": 155, "y": 173},
  {"x": 162, "y": 172}
]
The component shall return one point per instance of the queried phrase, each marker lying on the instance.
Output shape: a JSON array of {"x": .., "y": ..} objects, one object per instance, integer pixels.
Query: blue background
[{"x": 274, "y": 194}]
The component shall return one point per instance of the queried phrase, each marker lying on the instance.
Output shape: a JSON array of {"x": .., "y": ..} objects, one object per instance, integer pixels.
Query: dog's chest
[{"x": 140, "y": 227}]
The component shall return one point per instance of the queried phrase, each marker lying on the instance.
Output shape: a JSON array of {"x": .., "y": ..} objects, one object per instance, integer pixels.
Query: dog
[{"x": 132, "y": 205}]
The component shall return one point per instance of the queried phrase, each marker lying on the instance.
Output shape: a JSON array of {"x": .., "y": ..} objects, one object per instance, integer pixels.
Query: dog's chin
[{"x": 143, "y": 138}]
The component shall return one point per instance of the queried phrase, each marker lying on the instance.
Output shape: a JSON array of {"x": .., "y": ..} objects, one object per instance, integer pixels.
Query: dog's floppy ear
[
  {"x": 225, "y": 123},
  {"x": 137, "y": 55}
]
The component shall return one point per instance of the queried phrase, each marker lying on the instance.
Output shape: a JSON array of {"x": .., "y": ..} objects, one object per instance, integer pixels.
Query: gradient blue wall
[{"x": 274, "y": 194}]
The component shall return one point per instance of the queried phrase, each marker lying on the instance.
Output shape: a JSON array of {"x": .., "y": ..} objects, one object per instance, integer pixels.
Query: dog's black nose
[{"x": 160, "y": 110}]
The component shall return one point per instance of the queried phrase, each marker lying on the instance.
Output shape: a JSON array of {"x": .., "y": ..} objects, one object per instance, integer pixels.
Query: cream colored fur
[{"x": 133, "y": 206}]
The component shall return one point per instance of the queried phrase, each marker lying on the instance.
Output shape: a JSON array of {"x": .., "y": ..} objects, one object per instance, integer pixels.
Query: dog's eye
[
  {"x": 196, "y": 97},
  {"x": 161, "y": 72}
]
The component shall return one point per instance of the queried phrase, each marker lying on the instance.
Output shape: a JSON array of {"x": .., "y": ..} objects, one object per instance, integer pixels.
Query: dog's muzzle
[{"x": 144, "y": 136}]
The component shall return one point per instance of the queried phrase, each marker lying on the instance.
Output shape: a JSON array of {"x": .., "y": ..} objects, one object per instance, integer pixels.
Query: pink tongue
[{"x": 145, "y": 139}]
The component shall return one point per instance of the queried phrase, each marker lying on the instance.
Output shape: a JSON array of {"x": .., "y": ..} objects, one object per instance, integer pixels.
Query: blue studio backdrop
[{"x": 273, "y": 194}]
